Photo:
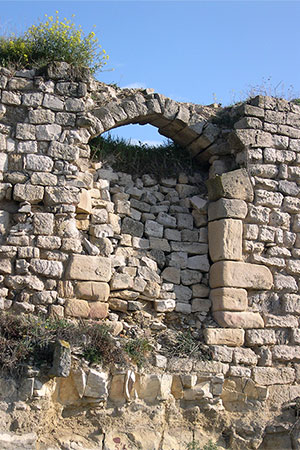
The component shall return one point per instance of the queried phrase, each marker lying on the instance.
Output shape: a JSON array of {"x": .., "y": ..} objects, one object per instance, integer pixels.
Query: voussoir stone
[
  {"x": 230, "y": 319},
  {"x": 229, "y": 299},
  {"x": 225, "y": 239},
  {"x": 221, "y": 336},
  {"x": 240, "y": 274},
  {"x": 89, "y": 268}
]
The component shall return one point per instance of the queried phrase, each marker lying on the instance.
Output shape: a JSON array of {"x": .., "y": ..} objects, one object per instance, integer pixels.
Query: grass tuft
[{"x": 168, "y": 159}]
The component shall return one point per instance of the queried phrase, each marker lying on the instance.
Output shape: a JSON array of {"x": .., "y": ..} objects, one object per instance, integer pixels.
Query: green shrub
[
  {"x": 29, "y": 339},
  {"x": 138, "y": 349},
  {"x": 52, "y": 40}
]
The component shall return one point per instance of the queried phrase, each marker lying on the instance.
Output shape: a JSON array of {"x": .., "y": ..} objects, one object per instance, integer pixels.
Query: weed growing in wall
[{"x": 52, "y": 40}]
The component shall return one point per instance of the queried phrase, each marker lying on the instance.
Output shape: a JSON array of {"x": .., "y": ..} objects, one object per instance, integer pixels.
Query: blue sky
[{"x": 195, "y": 51}]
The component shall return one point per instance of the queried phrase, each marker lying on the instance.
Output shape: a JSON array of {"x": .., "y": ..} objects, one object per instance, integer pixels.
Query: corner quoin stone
[
  {"x": 221, "y": 336},
  {"x": 229, "y": 299},
  {"x": 89, "y": 268},
  {"x": 240, "y": 275},
  {"x": 230, "y": 319},
  {"x": 235, "y": 184},
  {"x": 225, "y": 239}
]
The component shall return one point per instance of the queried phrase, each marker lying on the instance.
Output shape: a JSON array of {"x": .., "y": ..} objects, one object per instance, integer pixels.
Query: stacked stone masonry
[{"x": 79, "y": 240}]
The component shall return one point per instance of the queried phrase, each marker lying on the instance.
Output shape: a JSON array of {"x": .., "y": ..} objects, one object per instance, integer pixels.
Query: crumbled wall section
[{"x": 80, "y": 240}]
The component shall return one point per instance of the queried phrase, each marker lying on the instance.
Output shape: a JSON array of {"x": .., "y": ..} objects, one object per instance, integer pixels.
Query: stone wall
[{"x": 82, "y": 241}]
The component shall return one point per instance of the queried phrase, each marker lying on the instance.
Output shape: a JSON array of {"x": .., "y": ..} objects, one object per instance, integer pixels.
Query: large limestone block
[
  {"x": 227, "y": 208},
  {"x": 96, "y": 385},
  {"x": 221, "y": 336},
  {"x": 98, "y": 310},
  {"x": 92, "y": 268},
  {"x": 267, "y": 376},
  {"x": 85, "y": 202},
  {"x": 77, "y": 308},
  {"x": 28, "y": 193},
  {"x": 240, "y": 274},
  {"x": 235, "y": 184},
  {"x": 225, "y": 239},
  {"x": 229, "y": 299},
  {"x": 92, "y": 290},
  {"x": 230, "y": 319}
]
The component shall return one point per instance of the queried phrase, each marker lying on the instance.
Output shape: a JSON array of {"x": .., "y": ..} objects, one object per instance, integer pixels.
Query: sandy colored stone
[
  {"x": 229, "y": 299},
  {"x": 267, "y": 376},
  {"x": 92, "y": 290},
  {"x": 98, "y": 310},
  {"x": 225, "y": 239},
  {"x": 92, "y": 268},
  {"x": 227, "y": 208},
  {"x": 230, "y": 319},
  {"x": 260, "y": 337},
  {"x": 235, "y": 184},
  {"x": 221, "y": 336},
  {"x": 77, "y": 308},
  {"x": 240, "y": 274},
  {"x": 85, "y": 202}
]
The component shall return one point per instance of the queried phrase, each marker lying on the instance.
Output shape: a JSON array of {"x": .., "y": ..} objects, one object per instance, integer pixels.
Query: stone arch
[{"x": 186, "y": 124}]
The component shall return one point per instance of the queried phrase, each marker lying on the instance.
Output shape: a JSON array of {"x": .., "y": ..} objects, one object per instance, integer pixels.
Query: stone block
[
  {"x": 260, "y": 337},
  {"x": 98, "y": 310},
  {"x": 286, "y": 353},
  {"x": 89, "y": 268},
  {"x": 132, "y": 227},
  {"x": 235, "y": 184},
  {"x": 43, "y": 223},
  {"x": 240, "y": 274},
  {"x": 267, "y": 376},
  {"x": 198, "y": 262},
  {"x": 85, "y": 202},
  {"x": 230, "y": 319},
  {"x": 4, "y": 222},
  {"x": 49, "y": 132},
  {"x": 227, "y": 208},
  {"x": 38, "y": 163},
  {"x": 225, "y": 239},
  {"x": 220, "y": 336},
  {"x": 77, "y": 308},
  {"x": 229, "y": 299},
  {"x": 63, "y": 151},
  {"x": 118, "y": 304},
  {"x": 276, "y": 321},
  {"x": 96, "y": 385},
  {"x": 171, "y": 274},
  {"x": 245, "y": 356},
  {"x": 49, "y": 269},
  {"x": 92, "y": 290},
  {"x": 153, "y": 229},
  {"x": 28, "y": 193},
  {"x": 61, "y": 194},
  {"x": 167, "y": 305},
  {"x": 121, "y": 281},
  {"x": 201, "y": 305}
]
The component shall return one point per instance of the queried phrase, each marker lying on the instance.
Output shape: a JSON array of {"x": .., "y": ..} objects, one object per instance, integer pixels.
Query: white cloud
[{"x": 135, "y": 85}]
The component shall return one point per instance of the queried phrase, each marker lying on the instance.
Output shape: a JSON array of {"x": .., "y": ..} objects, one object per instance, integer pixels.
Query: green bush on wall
[{"x": 52, "y": 40}]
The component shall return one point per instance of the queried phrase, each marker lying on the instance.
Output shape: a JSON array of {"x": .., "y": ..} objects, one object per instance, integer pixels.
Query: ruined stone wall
[{"x": 80, "y": 240}]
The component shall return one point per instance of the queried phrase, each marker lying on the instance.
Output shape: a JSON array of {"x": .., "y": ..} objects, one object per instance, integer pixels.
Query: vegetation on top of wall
[
  {"x": 52, "y": 40},
  {"x": 167, "y": 159}
]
